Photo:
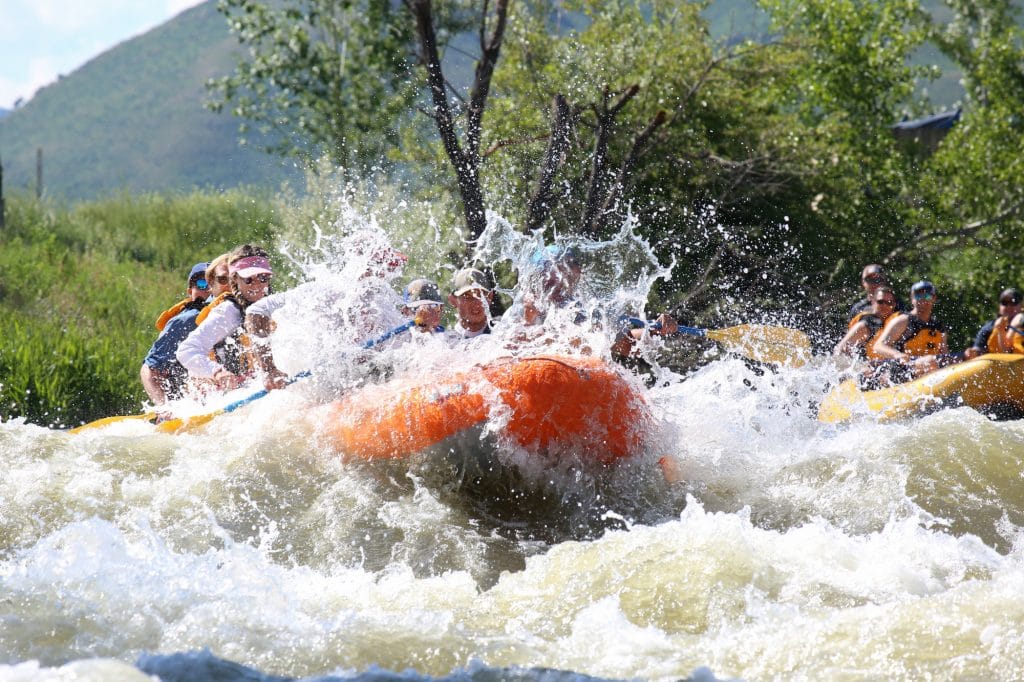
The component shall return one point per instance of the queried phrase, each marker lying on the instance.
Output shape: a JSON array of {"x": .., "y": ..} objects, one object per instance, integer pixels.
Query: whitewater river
[
  {"x": 782, "y": 548},
  {"x": 789, "y": 550}
]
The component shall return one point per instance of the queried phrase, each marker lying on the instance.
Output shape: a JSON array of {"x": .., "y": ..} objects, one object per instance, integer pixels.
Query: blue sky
[{"x": 41, "y": 39}]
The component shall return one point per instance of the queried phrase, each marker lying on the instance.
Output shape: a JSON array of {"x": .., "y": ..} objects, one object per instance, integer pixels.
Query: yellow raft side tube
[{"x": 986, "y": 381}]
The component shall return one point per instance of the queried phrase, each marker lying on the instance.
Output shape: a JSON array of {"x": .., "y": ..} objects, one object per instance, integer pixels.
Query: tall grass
[{"x": 81, "y": 286}]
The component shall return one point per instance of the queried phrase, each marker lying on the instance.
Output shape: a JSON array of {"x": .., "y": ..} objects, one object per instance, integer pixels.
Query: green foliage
[
  {"x": 774, "y": 178},
  {"x": 329, "y": 77},
  {"x": 723, "y": 181},
  {"x": 60, "y": 376},
  {"x": 81, "y": 287}
]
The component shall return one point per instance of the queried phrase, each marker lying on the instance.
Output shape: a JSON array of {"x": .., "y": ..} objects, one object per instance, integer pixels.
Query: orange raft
[{"x": 547, "y": 404}]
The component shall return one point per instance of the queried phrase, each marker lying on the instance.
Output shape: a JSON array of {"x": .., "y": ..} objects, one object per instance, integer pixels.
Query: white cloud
[
  {"x": 41, "y": 71},
  {"x": 62, "y": 16},
  {"x": 9, "y": 91}
]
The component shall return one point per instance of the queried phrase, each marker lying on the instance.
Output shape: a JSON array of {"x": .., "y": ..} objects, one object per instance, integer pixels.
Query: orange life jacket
[
  {"x": 997, "y": 339},
  {"x": 210, "y": 306},
  {"x": 1016, "y": 338},
  {"x": 921, "y": 338},
  {"x": 173, "y": 311},
  {"x": 875, "y": 325},
  {"x": 858, "y": 317}
]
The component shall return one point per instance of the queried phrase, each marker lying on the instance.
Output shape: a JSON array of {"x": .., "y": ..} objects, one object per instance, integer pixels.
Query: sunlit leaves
[{"x": 327, "y": 77}]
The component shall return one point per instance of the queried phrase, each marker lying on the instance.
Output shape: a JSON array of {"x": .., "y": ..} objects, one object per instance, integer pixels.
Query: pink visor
[{"x": 250, "y": 267}]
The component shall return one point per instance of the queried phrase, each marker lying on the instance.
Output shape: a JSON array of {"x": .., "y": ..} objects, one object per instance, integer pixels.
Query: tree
[
  {"x": 464, "y": 153},
  {"x": 322, "y": 77},
  {"x": 968, "y": 225},
  {"x": 852, "y": 77},
  {"x": 703, "y": 155}
]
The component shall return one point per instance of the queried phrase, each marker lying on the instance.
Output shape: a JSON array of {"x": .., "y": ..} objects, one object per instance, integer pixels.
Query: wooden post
[
  {"x": 1, "y": 193},
  {"x": 39, "y": 172}
]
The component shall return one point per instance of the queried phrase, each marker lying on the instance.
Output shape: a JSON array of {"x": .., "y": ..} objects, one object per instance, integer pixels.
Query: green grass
[{"x": 81, "y": 287}]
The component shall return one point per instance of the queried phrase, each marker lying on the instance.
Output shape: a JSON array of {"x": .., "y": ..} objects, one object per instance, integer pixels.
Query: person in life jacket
[
  {"x": 915, "y": 341},
  {"x": 860, "y": 338},
  {"x": 216, "y": 284},
  {"x": 218, "y": 276},
  {"x": 321, "y": 321},
  {"x": 552, "y": 285},
  {"x": 221, "y": 327},
  {"x": 1014, "y": 337},
  {"x": 993, "y": 336},
  {"x": 473, "y": 299},
  {"x": 422, "y": 303},
  {"x": 871, "y": 278},
  {"x": 163, "y": 377}
]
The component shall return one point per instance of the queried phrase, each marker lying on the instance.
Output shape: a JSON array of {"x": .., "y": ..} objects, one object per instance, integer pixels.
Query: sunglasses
[
  {"x": 222, "y": 279},
  {"x": 1009, "y": 301},
  {"x": 262, "y": 278},
  {"x": 886, "y": 301},
  {"x": 924, "y": 295},
  {"x": 874, "y": 279},
  {"x": 200, "y": 284}
]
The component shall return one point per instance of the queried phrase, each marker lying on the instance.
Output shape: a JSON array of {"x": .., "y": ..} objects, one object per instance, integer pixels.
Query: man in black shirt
[{"x": 871, "y": 278}]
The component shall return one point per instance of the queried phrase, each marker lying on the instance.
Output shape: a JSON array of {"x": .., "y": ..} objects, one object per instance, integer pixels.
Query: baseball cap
[
  {"x": 198, "y": 272},
  {"x": 873, "y": 273},
  {"x": 468, "y": 279},
  {"x": 923, "y": 285},
  {"x": 421, "y": 292},
  {"x": 554, "y": 253},
  {"x": 1010, "y": 294}
]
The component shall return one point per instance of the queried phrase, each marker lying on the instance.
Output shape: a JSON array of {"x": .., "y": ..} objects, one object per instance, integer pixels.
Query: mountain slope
[{"x": 133, "y": 119}]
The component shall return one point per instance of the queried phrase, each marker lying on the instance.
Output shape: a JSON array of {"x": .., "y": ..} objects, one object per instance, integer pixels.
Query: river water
[{"x": 787, "y": 549}]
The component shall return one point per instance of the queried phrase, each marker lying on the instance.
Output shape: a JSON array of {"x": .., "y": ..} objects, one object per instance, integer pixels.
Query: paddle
[
  {"x": 178, "y": 425},
  {"x": 758, "y": 342}
]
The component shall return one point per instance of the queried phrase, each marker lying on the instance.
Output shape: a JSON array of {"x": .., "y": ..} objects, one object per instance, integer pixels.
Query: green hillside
[{"x": 133, "y": 120}]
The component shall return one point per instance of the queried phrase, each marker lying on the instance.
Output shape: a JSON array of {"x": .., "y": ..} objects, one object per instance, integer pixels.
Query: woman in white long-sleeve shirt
[{"x": 221, "y": 328}]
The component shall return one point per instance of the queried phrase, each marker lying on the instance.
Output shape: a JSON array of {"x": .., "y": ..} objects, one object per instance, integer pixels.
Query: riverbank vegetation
[{"x": 81, "y": 286}]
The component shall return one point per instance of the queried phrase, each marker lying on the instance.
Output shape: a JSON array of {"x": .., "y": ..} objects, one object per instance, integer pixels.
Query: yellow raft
[{"x": 989, "y": 383}]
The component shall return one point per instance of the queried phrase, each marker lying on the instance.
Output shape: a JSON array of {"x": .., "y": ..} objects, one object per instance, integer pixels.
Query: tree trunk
[
  {"x": 542, "y": 201},
  {"x": 465, "y": 161}
]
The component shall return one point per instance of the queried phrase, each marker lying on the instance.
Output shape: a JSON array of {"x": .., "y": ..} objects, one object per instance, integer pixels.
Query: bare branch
[
  {"x": 490, "y": 48},
  {"x": 704, "y": 278},
  {"x": 501, "y": 144},
  {"x": 628, "y": 94},
  {"x": 465, "y": 163},
  {"x": 954, "y": 236},
  {"x": 427, "y": 113},
  {"x": 431, "y": 59},
  {"x": 561, "y": 126},
  {"x": 637, "y": 149}
]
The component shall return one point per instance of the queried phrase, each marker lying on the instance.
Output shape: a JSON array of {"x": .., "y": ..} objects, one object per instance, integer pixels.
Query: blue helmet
[{"x": 555, "y": 253}]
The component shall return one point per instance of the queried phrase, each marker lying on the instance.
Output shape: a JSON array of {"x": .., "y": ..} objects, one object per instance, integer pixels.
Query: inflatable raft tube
[
  {"x": 545, "y": 404},
  {"x": 988, "y": 382}
]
